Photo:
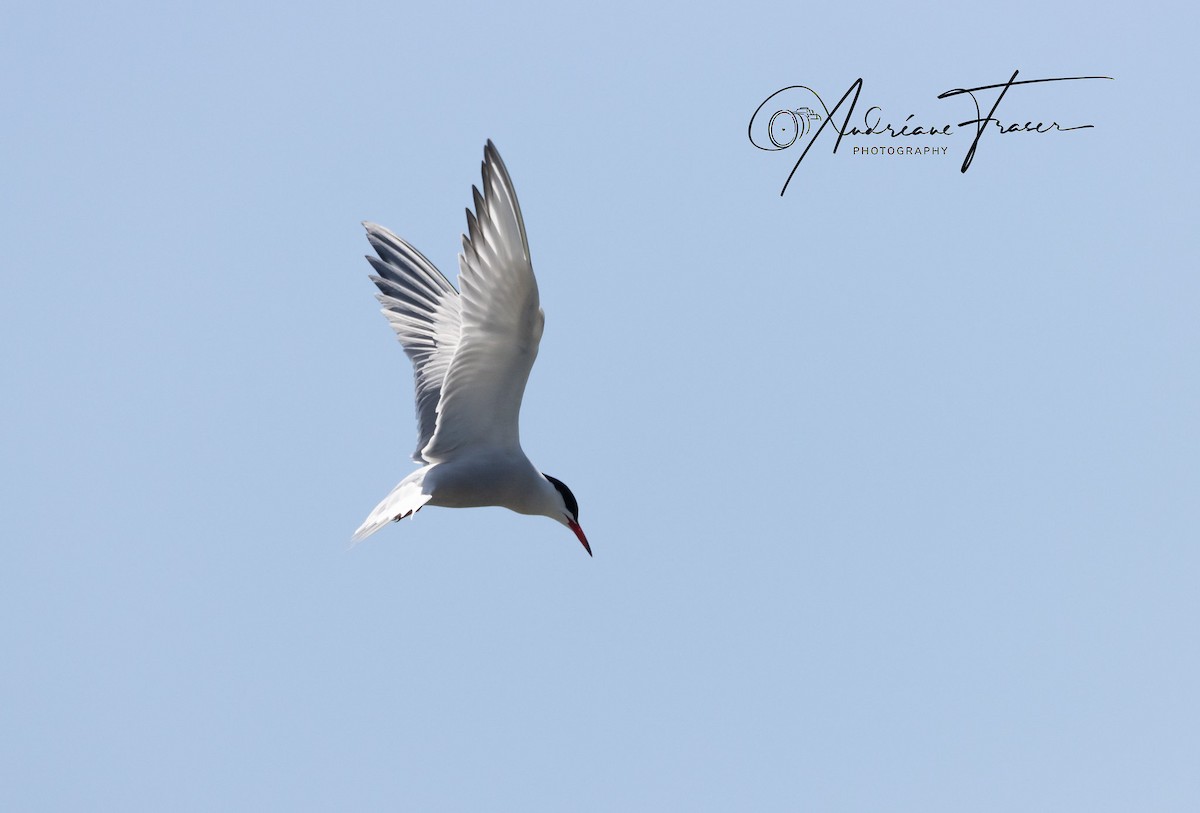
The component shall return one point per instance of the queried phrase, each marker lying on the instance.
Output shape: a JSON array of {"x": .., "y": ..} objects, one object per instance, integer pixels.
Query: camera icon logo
[
  {"x": 786, "y": 126},
  {"x": 789, "y": 117}
]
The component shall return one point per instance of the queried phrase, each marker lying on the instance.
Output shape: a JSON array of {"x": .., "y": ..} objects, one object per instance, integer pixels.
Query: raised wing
[
  {"x": 424, "y": 310},
  {"x": 501, "y": 324}
]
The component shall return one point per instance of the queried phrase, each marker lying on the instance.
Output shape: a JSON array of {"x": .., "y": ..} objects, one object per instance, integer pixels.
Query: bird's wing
[
  {"x": 501, "y": 324},
  {"x": 424, "y": 310}
]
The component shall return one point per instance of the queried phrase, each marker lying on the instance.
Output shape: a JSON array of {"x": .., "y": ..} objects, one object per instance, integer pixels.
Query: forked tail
[{"x": 403, "y": 501}]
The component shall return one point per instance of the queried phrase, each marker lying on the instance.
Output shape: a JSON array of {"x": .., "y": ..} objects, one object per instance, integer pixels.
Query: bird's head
[{"x": 568, "y": 510}]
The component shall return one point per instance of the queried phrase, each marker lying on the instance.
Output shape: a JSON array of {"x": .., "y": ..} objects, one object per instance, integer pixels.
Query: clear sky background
[{"x": 892, "y": 481}]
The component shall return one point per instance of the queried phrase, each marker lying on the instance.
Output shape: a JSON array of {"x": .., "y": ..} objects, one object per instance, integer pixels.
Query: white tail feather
[{"x": 403, "y": 501}]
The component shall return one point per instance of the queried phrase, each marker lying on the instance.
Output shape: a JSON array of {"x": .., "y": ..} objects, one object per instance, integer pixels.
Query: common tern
[{"x": 471, "y": 355}]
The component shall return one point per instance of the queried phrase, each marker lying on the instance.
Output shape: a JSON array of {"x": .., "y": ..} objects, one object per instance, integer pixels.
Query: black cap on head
[{"x": 568, "y": 497}]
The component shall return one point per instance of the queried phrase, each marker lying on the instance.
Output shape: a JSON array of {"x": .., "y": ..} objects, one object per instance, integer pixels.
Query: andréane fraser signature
[{"x": 980, "y": 121}]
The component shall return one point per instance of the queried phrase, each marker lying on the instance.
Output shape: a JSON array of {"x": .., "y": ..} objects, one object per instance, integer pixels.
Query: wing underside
[
  {"x": 471, "y": 352},
  {"x": 501, "y": 324},
  {"x": 424, "y": 309}
]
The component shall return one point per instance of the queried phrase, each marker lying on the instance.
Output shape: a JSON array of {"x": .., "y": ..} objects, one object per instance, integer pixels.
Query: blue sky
[{"x": 891, "y": 480}]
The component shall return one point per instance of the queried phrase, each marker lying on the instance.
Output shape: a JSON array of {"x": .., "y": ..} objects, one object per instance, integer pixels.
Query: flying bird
[{"x": 471, "y": 354}]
